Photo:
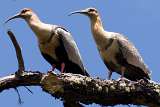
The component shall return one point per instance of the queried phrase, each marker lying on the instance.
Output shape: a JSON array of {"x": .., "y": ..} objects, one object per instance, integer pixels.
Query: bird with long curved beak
[
  {"x": 56, "y": 44},
  {"x": 117, "y": 52}
]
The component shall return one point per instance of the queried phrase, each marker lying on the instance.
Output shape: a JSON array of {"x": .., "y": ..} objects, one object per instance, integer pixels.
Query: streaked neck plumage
[{"x": 41, "y": 30}]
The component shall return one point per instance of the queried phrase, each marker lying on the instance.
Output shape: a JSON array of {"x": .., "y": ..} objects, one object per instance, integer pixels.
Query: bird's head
[
  {"x": 90, "y": 12},
  {"x": 25, "y": 13}
]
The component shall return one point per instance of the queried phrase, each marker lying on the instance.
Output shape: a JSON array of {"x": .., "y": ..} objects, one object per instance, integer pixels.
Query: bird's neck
[
  {"x": 96, "y": 26},
  {"x": 41, "y": 30},
  {"x": 96, "y": 20},
  {"x": 97, "y": 29},
  {"x": 33, "y": 21}
]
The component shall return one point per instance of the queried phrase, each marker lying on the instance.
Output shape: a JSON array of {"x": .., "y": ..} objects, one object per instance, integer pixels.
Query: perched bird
[
  {"x": 117, "y": 52},
  {"x": 56, "y": 44}
]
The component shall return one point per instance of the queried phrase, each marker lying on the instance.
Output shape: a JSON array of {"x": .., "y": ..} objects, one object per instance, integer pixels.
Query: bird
[
  {"x": 56, "y": 44},
  {"x": 117, "y": 52}
]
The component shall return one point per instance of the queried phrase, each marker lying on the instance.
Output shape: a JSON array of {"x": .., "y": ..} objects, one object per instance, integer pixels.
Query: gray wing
[
  {"x": 131, "y": 54},
  {"x": 70, "y": 47}
]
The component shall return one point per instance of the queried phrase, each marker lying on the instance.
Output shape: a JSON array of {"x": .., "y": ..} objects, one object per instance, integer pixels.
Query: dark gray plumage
[
  {"x": 56, "y": 44},
  {"x": 117, "y": 52}
]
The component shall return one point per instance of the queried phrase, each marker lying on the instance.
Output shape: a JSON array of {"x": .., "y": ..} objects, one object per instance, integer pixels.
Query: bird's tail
[
  {"x": 86, "y": 73},
  {"x": 148, "y": 74}
]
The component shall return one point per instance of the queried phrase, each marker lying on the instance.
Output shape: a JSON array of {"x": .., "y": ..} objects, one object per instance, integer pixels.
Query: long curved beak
[
  {"x": 79, "y": 11},
  {"x": 13, "y": 17}
]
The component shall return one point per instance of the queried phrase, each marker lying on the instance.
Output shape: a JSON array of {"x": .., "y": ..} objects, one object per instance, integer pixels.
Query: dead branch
[
  {"x": 88, "y": 90},
  {"x": 18, "y": 53}
]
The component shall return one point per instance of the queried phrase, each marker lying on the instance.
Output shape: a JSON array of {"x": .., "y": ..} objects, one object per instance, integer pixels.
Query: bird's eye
[
  {"x": 24, "y": 11},
  {"x": 91, "y": 10}
]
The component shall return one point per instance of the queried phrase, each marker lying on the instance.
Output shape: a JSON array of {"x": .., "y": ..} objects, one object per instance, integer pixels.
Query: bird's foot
[
  {"x": 123, "y": 79},
  {"x": 120, "y": 79},
  {"x": 142, "y": 81}
]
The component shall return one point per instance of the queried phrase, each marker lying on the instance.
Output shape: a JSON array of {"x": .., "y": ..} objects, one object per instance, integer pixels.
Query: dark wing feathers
[
  {"x": 70, "y": 46},
  {"x": 131, "y": 54}
]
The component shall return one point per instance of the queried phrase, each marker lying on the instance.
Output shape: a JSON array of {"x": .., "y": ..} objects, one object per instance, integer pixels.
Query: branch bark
[{"x": 87, "y": 90}]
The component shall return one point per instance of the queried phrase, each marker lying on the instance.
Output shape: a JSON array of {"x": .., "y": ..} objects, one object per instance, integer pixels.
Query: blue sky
[{"x": 139, "y": 20}]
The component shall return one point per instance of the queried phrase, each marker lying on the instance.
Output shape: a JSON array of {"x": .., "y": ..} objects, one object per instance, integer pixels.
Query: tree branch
[
  {"x": 88, "y": 90},
  {"x": 13, "y": 81},
  {"x": 77, "y": 88}
]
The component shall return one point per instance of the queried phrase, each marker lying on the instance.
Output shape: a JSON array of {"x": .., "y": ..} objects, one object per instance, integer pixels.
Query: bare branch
[
  {"x": 75, "y": 89},
  {"x": 28, "y": 79},
  {"x": 18, "y": 53},
  {"x": 87, "y": 90}
]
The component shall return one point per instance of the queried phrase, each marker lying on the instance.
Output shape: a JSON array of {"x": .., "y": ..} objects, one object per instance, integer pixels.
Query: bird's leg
[
  {"x": 109, "y": 74},
  {"x": 62, "y": 67},
  {"x": 122, "y": 72}
]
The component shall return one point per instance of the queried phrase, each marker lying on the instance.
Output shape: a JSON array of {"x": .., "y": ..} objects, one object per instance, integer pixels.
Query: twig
[
  {"x": 28, "y": 89},
  {"x": 18, "y": 53},
  {"x": 19, "y": 97}
]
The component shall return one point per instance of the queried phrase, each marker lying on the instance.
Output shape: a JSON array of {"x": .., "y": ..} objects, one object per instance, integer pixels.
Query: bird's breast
[
  {"x": 50, "y": 48},
  {"x": 109, "y": 54}
]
